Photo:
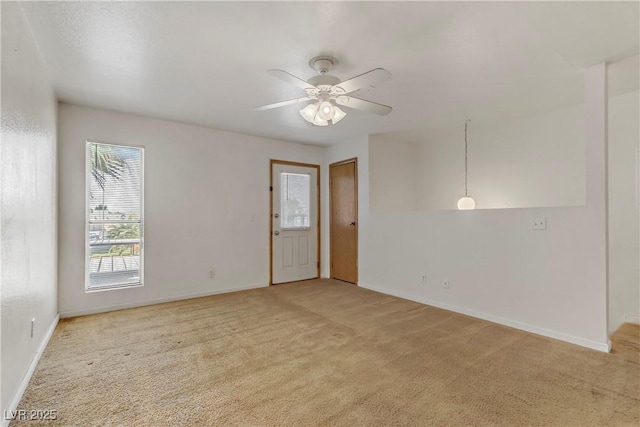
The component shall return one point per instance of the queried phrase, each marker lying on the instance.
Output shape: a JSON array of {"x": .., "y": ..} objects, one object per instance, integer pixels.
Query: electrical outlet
[
  {"x": 423, "y": 279},
  {"x": 539, "y": 223},
  {"x": 33, "y": 325},
  {"x": 445, "y": 284},
  {"x": 212, "y": 273}
]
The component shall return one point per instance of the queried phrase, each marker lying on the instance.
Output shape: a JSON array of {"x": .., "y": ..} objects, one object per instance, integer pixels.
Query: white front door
[{"x": 294, "y": 239}]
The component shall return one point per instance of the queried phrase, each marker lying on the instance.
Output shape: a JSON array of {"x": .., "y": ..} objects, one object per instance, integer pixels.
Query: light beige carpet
[{"x": 324, "y": 353}]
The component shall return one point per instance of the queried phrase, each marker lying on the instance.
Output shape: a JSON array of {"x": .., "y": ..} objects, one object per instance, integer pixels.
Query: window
[
  {"x": 295, "y": 200},
  {"x": 114, "y": 216}
]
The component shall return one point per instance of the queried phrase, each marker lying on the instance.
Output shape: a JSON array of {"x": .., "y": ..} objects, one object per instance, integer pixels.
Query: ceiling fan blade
[
  {"x": 282, "y": 103},
  {"x": 369, "y": 78},
  {"x": 361, "y": 104},
  {"x": 290, "y": 78}
]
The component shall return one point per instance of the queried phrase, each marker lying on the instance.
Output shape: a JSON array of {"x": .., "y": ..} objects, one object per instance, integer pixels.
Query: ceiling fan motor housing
[
  {"x": 324, "y": 84},
  {"x": 323, "y": 80}
]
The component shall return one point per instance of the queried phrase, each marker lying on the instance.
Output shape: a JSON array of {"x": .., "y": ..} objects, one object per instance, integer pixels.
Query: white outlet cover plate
[{"x": 539, "y": 223}]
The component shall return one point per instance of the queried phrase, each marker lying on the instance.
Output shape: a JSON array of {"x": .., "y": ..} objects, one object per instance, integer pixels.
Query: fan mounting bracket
[{"x": 323, "y": 63}]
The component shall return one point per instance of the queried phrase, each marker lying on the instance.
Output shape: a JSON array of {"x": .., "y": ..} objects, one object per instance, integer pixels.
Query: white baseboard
[
  {"x": 27, "y": 376},
  {"x": 96, "y": 310},
  {"x": 629, "y": 318},
  {"x": 595, "y": 345}
]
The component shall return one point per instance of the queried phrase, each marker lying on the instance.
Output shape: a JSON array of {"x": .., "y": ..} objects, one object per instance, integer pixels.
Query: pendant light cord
[{"x": 466, "y": 170}]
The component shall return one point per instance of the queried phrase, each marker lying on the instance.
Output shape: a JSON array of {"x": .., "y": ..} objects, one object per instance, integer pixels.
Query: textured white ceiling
[{"x": 205, "y": 63}]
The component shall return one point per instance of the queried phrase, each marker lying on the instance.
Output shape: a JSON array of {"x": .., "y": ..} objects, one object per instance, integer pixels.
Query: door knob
[
  {"x": 277, "y": 233},
  {"x": 276, "y": 215},
  {"x": 353, "y": 223}
]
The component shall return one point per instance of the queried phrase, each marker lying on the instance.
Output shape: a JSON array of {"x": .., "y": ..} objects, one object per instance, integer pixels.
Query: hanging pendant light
[{"x": 466, "y": 202}]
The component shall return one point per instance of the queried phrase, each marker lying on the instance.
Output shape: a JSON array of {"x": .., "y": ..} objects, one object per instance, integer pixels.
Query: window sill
[{"x": 113, "y": 288}]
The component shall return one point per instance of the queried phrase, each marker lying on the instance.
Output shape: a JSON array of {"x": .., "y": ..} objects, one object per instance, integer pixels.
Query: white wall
[
  {"x": 624, "y": 255},
  {"x": 206, "y": 206},
  {"x": 27, "y": 204},
  {"x": 394, "y": 182},
  {"x": 549, "y": 282},
  {"x": 531, "y": 162}
]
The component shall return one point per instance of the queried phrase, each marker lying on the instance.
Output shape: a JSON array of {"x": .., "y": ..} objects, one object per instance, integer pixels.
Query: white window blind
[
  {"x": 115, "y": 218},
  {"x": 295, "y": 193}
]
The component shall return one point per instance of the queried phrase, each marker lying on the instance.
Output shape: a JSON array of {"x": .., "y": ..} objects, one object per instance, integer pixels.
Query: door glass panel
[{"x": 295, "y": 194}]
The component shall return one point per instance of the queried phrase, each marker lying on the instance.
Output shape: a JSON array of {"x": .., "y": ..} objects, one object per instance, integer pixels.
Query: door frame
[
  {"x": 353, "y": 160},
  {"x": 273, "y": 162}
]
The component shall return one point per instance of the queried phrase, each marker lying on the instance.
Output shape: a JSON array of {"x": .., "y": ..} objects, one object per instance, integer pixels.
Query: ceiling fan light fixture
[
  {"x": 313, "y": 114},
  {"x": 326, "y": 92},
  {"x": 338, "y": 115},
  {"x": 319, "y": 122},
  {"x": 309, "y": 112},
  {"x": 326, "y": 110}
]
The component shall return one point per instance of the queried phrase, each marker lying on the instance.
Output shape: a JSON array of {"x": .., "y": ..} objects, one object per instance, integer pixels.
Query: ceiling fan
[{"x": 327, "y": 92}]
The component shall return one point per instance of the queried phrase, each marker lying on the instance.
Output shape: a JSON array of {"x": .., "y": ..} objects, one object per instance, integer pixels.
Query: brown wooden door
[{"x": 343, "y": 201}]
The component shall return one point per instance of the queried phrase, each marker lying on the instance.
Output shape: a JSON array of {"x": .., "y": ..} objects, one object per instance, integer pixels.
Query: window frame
[
  {"x": 88, "y": 223},
  {"x": 282, "y": 210}
]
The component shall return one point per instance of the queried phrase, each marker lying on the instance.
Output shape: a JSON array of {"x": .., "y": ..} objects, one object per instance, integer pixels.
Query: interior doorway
[
  {"x": 343, "y": 220},
  {"x": 295, "y": 222}
]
